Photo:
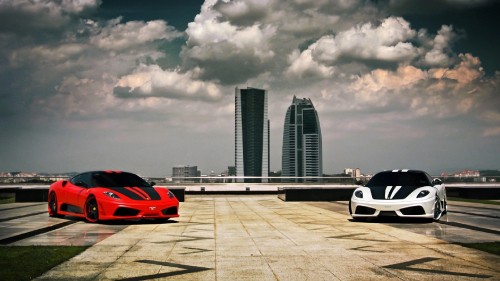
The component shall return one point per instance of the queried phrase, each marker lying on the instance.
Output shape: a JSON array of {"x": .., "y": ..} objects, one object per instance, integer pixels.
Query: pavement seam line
[
  {"x": 23, "y": 216},
  {"x": 35, "y": 232}
]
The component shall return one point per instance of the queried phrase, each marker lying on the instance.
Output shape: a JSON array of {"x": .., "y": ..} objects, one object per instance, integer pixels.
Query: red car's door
[{"x": 74, "y": 191}]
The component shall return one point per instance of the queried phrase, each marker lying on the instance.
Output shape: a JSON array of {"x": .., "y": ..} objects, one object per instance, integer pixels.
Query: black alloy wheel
[
  {"x": 437, "y": 209},
  {"x": 91, "y": 210},
  {"x": 53, "y": 205}
]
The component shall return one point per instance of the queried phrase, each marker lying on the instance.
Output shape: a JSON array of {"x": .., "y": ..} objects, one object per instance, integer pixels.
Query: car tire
[
  {"x": 162, "y": 220},
  {"x": 52, "y": 208},
  {"x": 445, "y": 207},
  {"x": 91, "y": 210},
  {"x": 350, "y": 208},
  {"x": 437, "y": 209}
]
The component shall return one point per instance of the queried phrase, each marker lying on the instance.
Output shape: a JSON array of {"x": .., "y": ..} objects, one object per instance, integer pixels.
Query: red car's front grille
[
  {"x": 170, "y": 211},
  {"x": 125, "y": 212}
]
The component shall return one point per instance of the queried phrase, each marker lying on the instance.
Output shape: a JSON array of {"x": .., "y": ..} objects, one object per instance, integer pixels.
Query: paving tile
[{"x": 264, "y": 238}]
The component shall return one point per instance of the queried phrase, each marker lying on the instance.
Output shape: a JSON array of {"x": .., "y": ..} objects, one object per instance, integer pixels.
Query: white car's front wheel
[{"x": 438, "y": 211}]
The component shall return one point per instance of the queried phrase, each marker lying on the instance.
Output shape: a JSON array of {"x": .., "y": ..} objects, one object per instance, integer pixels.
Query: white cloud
[
  {"x": 368, "y": 73},
  {"x": 491, "y": 132},
  {"x": 245, "y": 12},
  {"x": 386, "y": 42},
  {"x": 303, "y": 65},
  {"x": 367, "y": 86},
  {"x": 439, "y": 55},
  {"x": 491, "y": 116},
  {"x": 226, "y": 52},
  {"x": 17, "y": 15},
  {"x": 468, "y": 70},
  {"x": 132, "y": 34},
  {"x": 152, "y": 81},
  {"x": 51, "y": 7},
  {"x": 236, "y": 41},
  {"x": 437, "y": 92}
]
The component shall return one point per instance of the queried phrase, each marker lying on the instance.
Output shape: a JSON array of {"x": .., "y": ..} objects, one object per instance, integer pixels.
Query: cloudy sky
[{"x": 146, "y": 85}]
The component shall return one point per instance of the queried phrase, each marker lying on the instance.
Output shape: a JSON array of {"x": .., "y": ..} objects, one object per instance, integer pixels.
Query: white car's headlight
[
  {"x": 358, "y": 193},
  {"x": 423, "y": 193}
]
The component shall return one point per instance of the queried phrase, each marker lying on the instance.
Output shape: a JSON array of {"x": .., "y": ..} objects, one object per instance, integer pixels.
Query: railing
[
  {"x": 46, "y": 180},
  {"x": 31, "y": 180},
  {"x": 270, "y": 179}
]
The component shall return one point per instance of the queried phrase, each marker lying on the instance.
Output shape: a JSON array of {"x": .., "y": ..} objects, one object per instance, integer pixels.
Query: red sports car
[{"x": 110, "y": 195}]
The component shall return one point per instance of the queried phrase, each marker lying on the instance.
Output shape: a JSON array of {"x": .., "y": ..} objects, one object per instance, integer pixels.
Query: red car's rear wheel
[
  {"x": 53, "y": 205},
  {"x": 91, "y": 210}
]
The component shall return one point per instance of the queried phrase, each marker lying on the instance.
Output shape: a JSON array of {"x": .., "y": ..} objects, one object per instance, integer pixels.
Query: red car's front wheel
[{"x": 91, "y": 210}]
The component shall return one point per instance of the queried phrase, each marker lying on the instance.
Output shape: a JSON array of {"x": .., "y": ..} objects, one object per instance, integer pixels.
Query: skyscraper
[
  {"x": 251, "y": 134},
  {"x": 302, "y": 149},
  {"x": 183, "y": 173}
]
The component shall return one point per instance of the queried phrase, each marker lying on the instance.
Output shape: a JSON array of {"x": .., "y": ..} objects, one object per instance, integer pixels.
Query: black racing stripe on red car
[
  {"x": 152, "y": 193},
  {"x": 141, "y": 192},
  {"x": 126, "y": 192},
  {"x": 137, "y": 193}
]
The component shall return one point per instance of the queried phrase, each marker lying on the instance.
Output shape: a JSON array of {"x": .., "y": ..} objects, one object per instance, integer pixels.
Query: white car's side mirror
[{"x": 436, "y": 182}]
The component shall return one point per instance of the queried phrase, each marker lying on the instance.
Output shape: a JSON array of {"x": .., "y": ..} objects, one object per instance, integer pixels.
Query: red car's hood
[{"x": 136, "y": 193}]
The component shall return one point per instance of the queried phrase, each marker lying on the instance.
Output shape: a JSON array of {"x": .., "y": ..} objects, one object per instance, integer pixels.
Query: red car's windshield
[{"x": 103, "y": 179}]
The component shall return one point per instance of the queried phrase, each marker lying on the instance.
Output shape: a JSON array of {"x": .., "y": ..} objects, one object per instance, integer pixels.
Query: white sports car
[{"x": 402, "y": 193}]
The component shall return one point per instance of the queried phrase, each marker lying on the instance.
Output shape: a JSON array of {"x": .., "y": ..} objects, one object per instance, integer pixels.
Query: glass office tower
[
  {"x": 251, "y": 134},
  {"x": 302, "y": 149}
]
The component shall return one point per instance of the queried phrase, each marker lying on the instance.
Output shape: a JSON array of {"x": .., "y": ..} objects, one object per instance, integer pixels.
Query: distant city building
[
  {"x": 463, "y": 174},
  {"x": 251, "y": 134},
  {"x": 302, "y": 147},
  {"x": 231, "y": 171},
  {"x": 185, "y": 173},
  {"x": 353, "y": 172}
]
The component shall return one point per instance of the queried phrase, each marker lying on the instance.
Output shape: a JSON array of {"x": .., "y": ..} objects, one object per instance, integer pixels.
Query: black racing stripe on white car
[
  {"x": 403, "y": 192},
  {"x": 379, "y": 192}
]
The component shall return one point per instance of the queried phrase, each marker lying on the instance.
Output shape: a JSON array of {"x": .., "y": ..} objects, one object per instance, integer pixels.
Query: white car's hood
[{"x": 394, "y": 192}]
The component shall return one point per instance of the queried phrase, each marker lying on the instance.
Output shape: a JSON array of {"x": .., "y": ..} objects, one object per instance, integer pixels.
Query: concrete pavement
[
  {"x": 24, "y": 224},
  {"x": 264, "y": 238}
]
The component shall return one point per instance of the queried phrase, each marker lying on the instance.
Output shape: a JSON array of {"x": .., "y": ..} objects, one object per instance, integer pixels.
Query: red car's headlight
[{"x": 111, "y": 194}]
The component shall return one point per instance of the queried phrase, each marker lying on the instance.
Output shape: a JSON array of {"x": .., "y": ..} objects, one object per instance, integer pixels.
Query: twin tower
[{"x": 302, "y": 148}]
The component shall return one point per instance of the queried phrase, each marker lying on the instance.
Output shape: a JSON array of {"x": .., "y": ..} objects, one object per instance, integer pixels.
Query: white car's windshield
[{"x": 415, "y": 179}]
